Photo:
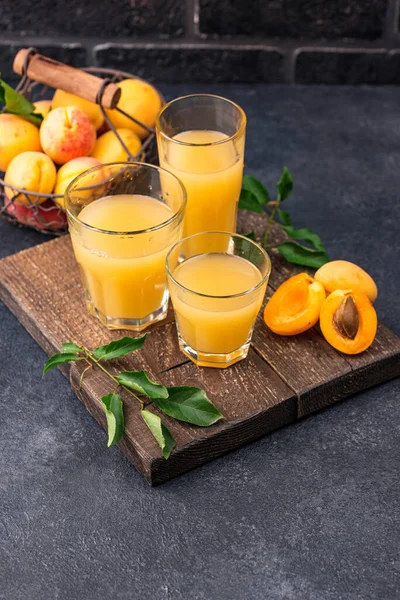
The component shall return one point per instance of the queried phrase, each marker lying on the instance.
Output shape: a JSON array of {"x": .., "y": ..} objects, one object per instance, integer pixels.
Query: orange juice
[
  {"x": 211, "y": 170},
  {"x": 209, "y": 321},
  {"x": 124, "y": 275}
]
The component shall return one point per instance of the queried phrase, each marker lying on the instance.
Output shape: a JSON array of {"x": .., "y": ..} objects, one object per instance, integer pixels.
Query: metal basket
[{"x": 46, "y": 216}]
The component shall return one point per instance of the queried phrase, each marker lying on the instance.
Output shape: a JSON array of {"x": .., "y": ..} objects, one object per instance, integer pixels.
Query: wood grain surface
[{"x": 282, "y": 379}]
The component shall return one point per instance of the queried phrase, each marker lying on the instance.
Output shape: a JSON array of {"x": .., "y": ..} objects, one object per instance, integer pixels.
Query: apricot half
[
  {"x": 295, "y": 306},
  {"x": 348, "y": 321},
  {"x": 345, "y": 275}
]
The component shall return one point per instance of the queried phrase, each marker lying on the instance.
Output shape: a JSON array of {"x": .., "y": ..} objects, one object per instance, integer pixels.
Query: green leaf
[
  {"x": 139, "y": 381},
  {"x": 300, "y": 255},
  {"x": 304, "y": 234},
  {"x": 250, "y": 236},
  {"x": 119, "y": 348},
  {"x": 70, "y": 348},
  {"x": 284, "y": 185},
  {"x": 114, "y": 411},
  {"x": 189, "y": 404},
  {"x": 247, "y": 201},
  {"x": 258, "y": 189},
  {"x": 160, "y": 431},
  {"x": 59, "y": 359},
  {"x": 16, "y": 104},
  {"x": 284, "y": 217}
]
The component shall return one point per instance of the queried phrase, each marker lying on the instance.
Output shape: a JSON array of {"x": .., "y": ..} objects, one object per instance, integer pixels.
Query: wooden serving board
[{"x": 282, "y": 380}]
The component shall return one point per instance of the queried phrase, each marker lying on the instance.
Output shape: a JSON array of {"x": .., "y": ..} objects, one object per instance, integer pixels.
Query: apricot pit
[{"x": 348, "y": 321}]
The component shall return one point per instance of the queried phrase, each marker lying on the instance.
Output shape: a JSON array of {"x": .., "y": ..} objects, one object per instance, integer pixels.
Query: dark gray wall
[{"x": 293, "y": 41}]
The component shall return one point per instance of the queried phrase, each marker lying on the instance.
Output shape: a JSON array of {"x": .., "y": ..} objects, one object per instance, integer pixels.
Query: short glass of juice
[
  {"x": 217, "y": 295},
  {"x": 123, "y": 219},
  {"x": 201, "y": 140}
]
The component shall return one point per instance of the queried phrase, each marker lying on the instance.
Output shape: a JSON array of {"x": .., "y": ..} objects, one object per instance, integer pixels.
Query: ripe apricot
[
  {"x": 140, "y": 100},
  {"x": 31, "y": 171},
  {"x": 63, "y": 99},
  {"x": 348, "y": 321},
  {"x": 67, "y": 133},
  {"x": 42, "y": 107},
  {"x": 345, "y": 275},
  {"x": 108, "y": 148},
  {"x": 69, "y": 171},
  {"x": 295, "y": 306},
  {"x": 16, "y": 136}
]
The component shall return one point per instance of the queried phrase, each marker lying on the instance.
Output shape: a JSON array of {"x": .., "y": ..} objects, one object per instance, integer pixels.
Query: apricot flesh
[
  {"x": 295, "y": 306},
  {"x": 348, "y": 321},
  {"x": 345, "y": 275}
]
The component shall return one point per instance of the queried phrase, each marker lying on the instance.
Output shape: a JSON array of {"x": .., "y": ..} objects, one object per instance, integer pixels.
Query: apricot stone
[
  {"x": 345, "y": 275},
  {"x": 348, "y": 321}
]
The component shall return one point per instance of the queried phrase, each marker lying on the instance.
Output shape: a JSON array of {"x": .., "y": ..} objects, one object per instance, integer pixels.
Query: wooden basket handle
[{"x": 58, "y": 75}]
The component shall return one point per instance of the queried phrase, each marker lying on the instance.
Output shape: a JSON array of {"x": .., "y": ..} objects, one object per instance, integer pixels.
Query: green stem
[
  {"x": 91, "y": 357},
  {"x": 270, "y": 221}
]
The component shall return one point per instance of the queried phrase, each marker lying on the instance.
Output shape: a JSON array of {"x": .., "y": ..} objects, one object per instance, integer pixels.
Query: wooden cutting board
[{"x": 282, "y": 380}]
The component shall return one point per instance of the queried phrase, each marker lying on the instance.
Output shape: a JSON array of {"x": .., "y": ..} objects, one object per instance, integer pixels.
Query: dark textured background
[
  {"x": 272, "y": 41},
  {"x": 311, "y": 512}
]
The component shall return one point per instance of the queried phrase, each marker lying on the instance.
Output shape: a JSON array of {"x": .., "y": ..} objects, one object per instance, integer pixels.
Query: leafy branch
[
  {"x": 183, "y": 403},
  {"x": 16, "y": 104},
  {"x": 305, "y": 247}
]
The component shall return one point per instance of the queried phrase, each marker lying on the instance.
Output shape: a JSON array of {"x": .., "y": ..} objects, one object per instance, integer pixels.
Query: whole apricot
[
  {"x": 295, "y": 305},
  {"x": 63, "y": 99},
  {"x": 345, "y": 275},
  {"x": 72, "y": 169},
  {"x": 31, "y": 171},
  {"x": 348, "y": 321},
  {"x": 140, "y": 100},
  {"x": 43, "y": 216},
  {"x": 67, "y": 133},
  {"x": 42, "y": 107},
  {"x": 16, "y": 136},
  {"x": 108, "y": 148}
]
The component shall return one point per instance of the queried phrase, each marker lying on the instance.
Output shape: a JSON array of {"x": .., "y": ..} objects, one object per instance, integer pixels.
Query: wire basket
[{"x": 44, "y": 215}]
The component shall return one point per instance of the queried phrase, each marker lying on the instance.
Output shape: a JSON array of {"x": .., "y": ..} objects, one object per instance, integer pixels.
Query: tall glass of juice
[
  {"x": 216, "y": 295},
  {"x": 201, "y": 140},
  {"x": 123, "y": 218}
]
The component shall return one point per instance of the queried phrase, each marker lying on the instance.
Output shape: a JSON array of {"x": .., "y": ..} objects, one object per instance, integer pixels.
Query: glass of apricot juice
[
  {"x": 216, "y": 295},
  {"x": 201, "y": 140},
  {"x": 123, "y": 218}
]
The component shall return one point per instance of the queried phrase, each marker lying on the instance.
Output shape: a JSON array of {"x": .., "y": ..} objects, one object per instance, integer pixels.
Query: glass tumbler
[
  {"x": 217, "y": 295},
  {"x": 201, "y": 140},
  {"x": 123, "y": 218}
]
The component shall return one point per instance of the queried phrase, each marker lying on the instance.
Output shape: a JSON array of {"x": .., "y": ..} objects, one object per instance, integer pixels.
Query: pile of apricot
[{"x": 346, "y": 315}]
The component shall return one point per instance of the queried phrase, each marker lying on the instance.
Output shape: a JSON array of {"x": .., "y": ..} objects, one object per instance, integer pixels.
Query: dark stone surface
[
  {"x": 340, "y": 66},
  {"x": 294, "y": 18},
  {"x": 73, "y": 54},
  {"x": 308, "y": 513},
  {"x": 194, "y": 63},
  {"x": 164, "y": 18}
]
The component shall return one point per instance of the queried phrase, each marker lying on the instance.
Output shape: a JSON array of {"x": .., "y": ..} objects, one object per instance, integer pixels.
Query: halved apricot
[
  {"x": 295, "y": 306},
  {"x": 348, "y": 321}
]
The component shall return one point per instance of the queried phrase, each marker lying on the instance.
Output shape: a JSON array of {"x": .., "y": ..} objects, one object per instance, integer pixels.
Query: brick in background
[
  {"x": 314, "y": 19},
  {"x": 100, "y": 18},
  {"x": 72, "y": 54},
  {"x": 338, "y": 66},
  {"x": 194, "y": 63}
]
